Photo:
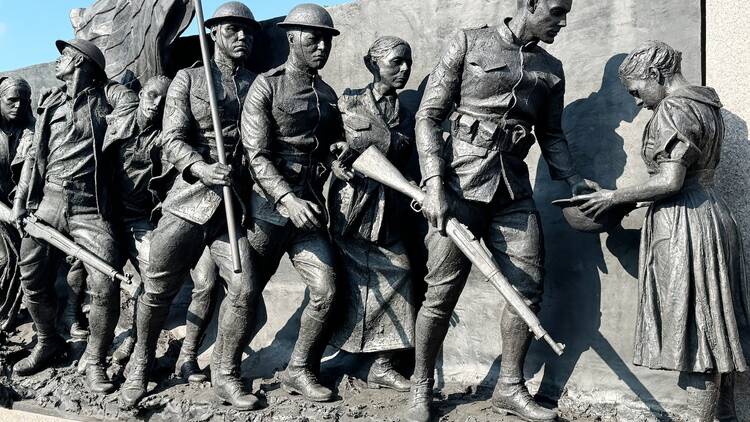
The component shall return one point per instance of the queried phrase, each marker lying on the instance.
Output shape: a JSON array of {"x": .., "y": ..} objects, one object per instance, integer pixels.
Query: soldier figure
[
  {"x": 136, "y": 137},
  {"x": 16, "y": 133},
  {"x": 192, "y": 216},
  {"x": 65, "y": 180},
  {"x": 289, "y": 122},
  {"x": 502, "y": 84}
]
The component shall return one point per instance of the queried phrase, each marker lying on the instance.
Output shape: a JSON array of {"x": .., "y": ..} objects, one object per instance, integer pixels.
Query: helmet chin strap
[{"x": 303, "y": 60}]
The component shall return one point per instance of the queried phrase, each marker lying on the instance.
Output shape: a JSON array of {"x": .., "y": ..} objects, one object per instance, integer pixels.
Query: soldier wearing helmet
[
  {"x": 289, "y": 122},
  {"x": 192, "y": 218},
  {"x": 64, "y": 181}
]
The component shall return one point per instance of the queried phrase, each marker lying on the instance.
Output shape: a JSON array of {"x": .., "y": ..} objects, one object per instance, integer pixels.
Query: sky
[{"x": 29, "y": 28}]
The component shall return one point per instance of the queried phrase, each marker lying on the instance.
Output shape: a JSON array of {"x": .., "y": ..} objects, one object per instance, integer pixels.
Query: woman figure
[
  {"x": 693, "y": 310},
  {"x": 16, "y": 132},
  {"x": 375, "y": 297}
]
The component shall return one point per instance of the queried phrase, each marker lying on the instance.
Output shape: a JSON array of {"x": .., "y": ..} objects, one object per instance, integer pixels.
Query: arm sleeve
[
  {"x": 550, "y": 134},
  {"x": 257, "y": 136},
  {"x": 678, "y": 134},
  {"x": 176, "y": 126},
  {"x": 442, "y": 90}
]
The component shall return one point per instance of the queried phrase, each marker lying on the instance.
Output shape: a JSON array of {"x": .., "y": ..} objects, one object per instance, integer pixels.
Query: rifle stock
[
  {"x": 39, "y": 230},
  {"x": 373, "y": 164}
]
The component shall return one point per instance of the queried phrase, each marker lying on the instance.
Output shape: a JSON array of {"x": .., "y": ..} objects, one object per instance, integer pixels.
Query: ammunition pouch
[{"x": 513, "y": 137}]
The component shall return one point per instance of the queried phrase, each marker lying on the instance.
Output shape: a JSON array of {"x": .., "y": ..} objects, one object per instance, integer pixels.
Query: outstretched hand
[{"x": 596, "y": 203}]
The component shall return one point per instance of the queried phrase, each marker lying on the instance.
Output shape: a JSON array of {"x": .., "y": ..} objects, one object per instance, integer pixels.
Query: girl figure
[
  {"x": 376, "y": 291},
  {"x": 693, "y": 310},
  {"x": 16, "y": 133}
]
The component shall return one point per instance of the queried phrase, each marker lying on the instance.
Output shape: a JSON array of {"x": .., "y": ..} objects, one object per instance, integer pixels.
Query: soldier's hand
[
  {"x": 304, "y": 214},
  {"x": 435, "y": 205},
  {"x": 17, "y": 215},
  {"x": 216, "y": 174},
  {"x": 341, "y": 171}
]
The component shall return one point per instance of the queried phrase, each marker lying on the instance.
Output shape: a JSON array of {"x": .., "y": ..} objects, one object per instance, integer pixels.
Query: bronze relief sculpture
[
  {"x": 64, "y": 182},
  {"x": 192, "y": 219},
  {"x": 502, "y": 85},
  {"x": 16, "y": 134},
  {"x": 693, "y": 315},
  {"x": 376, "y": 282},
  {"x": 289, "y": 123}
]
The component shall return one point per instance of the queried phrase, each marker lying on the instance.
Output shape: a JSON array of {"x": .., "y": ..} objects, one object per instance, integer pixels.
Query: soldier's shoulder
[
  {"x": 350, "y": 97},
  {"x": 478, "y": 31},
  {"x": 50, "y": 96},
  {"x": 275, "y": 72}
]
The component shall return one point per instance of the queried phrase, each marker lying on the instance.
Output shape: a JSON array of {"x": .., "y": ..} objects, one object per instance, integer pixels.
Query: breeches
[{"x": 512, "y": 233}]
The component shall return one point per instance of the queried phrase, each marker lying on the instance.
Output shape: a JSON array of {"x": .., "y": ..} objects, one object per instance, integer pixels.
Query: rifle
[
  {"x": 37, "y": 229},
  {"x": 227, "y": 191},
  {"x": 373, "y": 164}
]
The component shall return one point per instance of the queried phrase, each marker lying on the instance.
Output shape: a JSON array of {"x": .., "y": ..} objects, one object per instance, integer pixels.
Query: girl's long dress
[{"x": 693, "y": 311}]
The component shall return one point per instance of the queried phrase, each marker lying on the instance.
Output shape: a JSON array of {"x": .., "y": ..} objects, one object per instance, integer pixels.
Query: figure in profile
[
  {"x": 693, "y": 309},
  {"x": 366, "y": 224},
  {"x": 16, "y": 133}
]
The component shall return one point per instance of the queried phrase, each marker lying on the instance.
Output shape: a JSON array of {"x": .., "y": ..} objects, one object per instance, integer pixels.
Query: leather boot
[
  {"x": 45, "y": 353},
  {"x": 49, "y": 345},
  {"x": 383, "y": 375},
  {"x": 299, "y": 376},
  {"x": 187, "y": 363},
  {"x": 150, "y": 320},
  {"x": 122, "y": 354},
  {"x": 235, "y": 330},
  {"x": 726, "y": 411},
  {"x": 418, "y": 409},
  {"x": 96, "y": 379},
  {"x": 515, "y": 399},
  {"x": 74, "y": 320}
]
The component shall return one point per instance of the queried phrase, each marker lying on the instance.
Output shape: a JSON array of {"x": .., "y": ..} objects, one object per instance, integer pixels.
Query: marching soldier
[
  {"x": 289, "y": 121},
  {"x": 65, "y": 181},
  {"x": 503, "y": 85},
  {"x": 192, "y": 217}
]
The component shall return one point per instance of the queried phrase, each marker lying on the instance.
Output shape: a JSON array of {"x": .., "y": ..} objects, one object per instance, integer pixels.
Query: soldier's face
[
  {"x": 11, "y": 103},
  {"x": 549, "y": 17},
  {"x": 314, "y": 46},
  {"x": 395, "y": 68},
  {"x": 151, "y": 104},
  {"x": 65, "y": 65},
  {"x": 233, "y": 39},
  {"x": 648, "y": 92}
]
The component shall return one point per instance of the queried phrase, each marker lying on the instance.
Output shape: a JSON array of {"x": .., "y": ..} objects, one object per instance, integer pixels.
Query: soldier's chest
[
  {"x": 230, "y": 94},
  {"x": 493, "y": 70},
  {"x": 301, "y": 106}
]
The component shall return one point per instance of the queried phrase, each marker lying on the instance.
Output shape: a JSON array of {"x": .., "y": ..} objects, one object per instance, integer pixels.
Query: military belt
[{"x": 503, "y": 137}]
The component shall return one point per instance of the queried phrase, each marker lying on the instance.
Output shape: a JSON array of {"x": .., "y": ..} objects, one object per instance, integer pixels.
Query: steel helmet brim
[{"x": 290, "y": 25}]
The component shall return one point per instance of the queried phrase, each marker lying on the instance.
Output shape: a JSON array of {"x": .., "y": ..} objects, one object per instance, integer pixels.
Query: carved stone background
[{"x": 591, "y": 288}]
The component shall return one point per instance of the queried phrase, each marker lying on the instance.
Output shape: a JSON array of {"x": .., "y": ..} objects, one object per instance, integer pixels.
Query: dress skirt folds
[{"x": 694, "y": 303}]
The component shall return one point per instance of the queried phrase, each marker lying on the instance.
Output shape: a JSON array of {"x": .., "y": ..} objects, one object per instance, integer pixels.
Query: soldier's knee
[{"x": 323, "y": 292}]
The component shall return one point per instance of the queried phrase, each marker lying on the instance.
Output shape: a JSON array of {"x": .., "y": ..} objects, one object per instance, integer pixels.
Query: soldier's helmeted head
[
  {"x": 389, "y": 60},
  {"x": 647, "y": 71},
  {"x": 152, "y": 97},
  {"x": 233, "y": 27},
  {"x": 15, "y": 100},
  {"x": 544, "y": 18},
  {"x": 81, "y": 56},
  {"x": 310, "y": 31}
]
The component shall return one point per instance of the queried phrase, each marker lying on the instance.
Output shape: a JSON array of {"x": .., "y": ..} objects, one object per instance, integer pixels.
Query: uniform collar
[
  {"x": 310, "y": 74},
  {"x": 507, "y": 35}
]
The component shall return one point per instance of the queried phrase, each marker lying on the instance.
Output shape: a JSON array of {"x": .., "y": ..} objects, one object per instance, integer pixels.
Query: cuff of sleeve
[
  {"x": 561, "y": 174},
  {"x": 280, "y": 191},
  {"x": 184, "y": 168},
  {"x": 432, "y": 168}
]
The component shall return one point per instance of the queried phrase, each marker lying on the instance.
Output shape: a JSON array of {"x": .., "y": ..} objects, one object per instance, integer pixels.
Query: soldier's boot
[
  {"x": 230, "y": 388},
  {"x": 124, "y": 350},
  {"x": 74, "y": 320},
  {"x": 430, "y": 332},
  {"x": 703, "y": 395},
  {"x": 300, "y": 375},
  {"x": 511, "y": 395},
  {"x": 103, "y": 320},
  {"x": 187, "y": 363},
  {"x": 383, "y": 375},
  {"x": 726, "y": 411},
  {"x": 418, "y": 409},
  {"x": 150, "y": 320},
  {"x": 50, "y": 347}
]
